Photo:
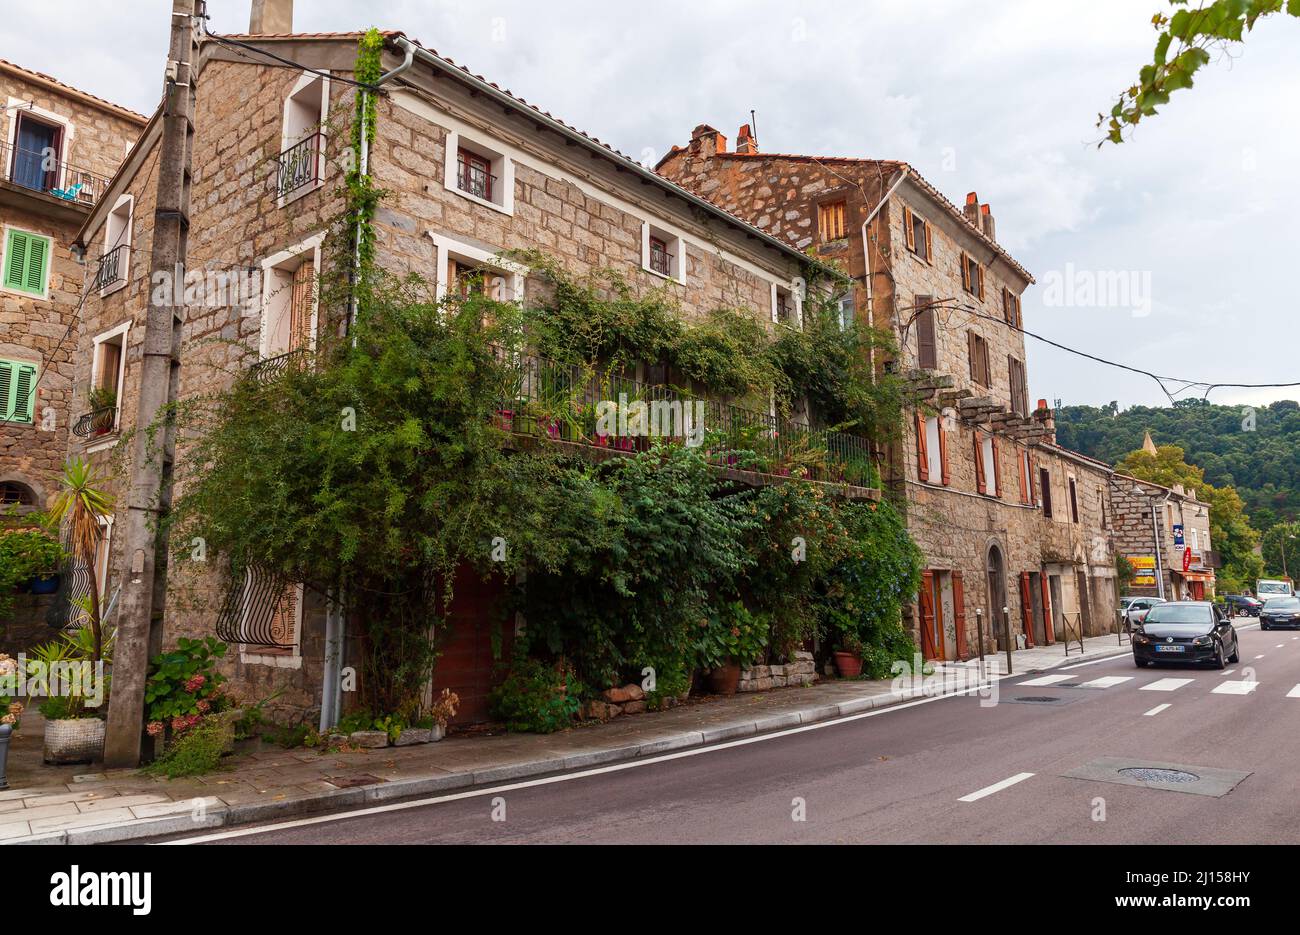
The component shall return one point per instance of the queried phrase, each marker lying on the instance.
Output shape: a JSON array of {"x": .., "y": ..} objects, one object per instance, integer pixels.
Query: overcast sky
[{"x": 996, "y": 96}]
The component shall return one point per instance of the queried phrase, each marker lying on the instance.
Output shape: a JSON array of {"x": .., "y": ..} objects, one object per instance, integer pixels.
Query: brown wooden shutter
[
  {"x": 973, "y": 353},
  {"x": 943, "y": 454},
  {"x": 959, "y": 614},
  {"x": 1074, "y": 500},
  {"x": 981, "y": 483},
  {"x": 929, "y": 244},
  {"x": 1045, "y": 482},
  {"x": 1022, "y": 473},
  {"x": 1026, "y": 608},
  {"x": 927, "y": 347},
  {"x": 997, "y": 469},
  {"x": 965, "y": 272},
  {"x": 984, "y": 363},
  {"x": 926, "y": 599},
  {"x": 1006, "y": 305},
  {"x": 979, "y": 271},
  {"x": 908, "y": 232},
  {"x": 1048, "y": 629},
  {"x": 922, "y": 456},
  {"x": 300, "y": 305}
]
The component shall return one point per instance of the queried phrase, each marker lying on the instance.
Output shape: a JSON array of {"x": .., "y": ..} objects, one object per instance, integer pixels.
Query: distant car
[
  {"x": 1185, "y": 631},
  {"x": 1243, "y": 604},
  {"x": 1280, "y": 612},
  {"x": 1135, "y": 608}
]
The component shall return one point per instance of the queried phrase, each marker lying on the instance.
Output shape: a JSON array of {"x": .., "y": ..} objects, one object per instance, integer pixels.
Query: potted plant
[
  {"x": 29, "y": 561},
  {"x": 103, "y": 409},
  {"x": 848, "y": 658},
  {"x": 432, "y": 727},
  {"x": 729, "y": 639},
  {"x": 81, "y": 506},
  {"x": 69, "y": 671}
]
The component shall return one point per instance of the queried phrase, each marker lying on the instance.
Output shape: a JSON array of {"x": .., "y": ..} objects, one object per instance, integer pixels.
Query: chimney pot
[
  {"x": 271, "y": 18},
  {"x": 972, "y": 209},
  {"x": 745, "y": 142}
]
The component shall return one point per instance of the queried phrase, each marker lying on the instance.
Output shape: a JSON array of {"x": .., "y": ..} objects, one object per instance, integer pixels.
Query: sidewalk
[{"x": 69, "y": 805}]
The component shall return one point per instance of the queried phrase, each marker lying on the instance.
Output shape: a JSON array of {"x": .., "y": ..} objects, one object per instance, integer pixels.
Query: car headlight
[{"x": 1202, "y": 641}]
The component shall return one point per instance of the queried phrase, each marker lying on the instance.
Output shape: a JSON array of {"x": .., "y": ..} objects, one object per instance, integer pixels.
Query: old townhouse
[
  {"x": 58, "y": 148},
  {"x": 1014, "y": 528},
  {"x": 472, "y": 173}
]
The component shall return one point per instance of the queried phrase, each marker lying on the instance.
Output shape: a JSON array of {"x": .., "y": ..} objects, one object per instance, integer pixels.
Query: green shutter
[
  {"x": 24, "y": 384},
  {"x": 27, "y": 259},
  {"x": 6, "y": 378}
]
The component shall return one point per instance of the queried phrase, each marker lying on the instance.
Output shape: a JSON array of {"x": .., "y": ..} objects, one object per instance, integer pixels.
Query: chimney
[
  {"x": 972, "y": 208},
  {"x": 986, "y": 223},
  {"x": 745, "y": 141},
  {"x": 1047, "y": 418},
  {"x": 271, "y": 18},
  {"x": 707, "y": 142}
]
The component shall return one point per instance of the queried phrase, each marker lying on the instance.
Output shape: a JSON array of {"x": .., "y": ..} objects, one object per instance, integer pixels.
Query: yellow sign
[{"x": 1144, "y": 570}]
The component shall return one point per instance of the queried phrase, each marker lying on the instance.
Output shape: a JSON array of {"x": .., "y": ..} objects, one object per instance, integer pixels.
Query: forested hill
[{"x": 1263, "y": 464}]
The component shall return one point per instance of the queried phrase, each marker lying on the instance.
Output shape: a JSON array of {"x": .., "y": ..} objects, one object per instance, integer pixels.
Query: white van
[{"x": 1273, "y": 587}]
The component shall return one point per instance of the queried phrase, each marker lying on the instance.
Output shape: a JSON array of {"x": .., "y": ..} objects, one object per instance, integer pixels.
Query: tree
[
  {"x": 1183, "y": 46},
  {"x": 82, "y": 507},
  {"x": 1281, "y": 545}
]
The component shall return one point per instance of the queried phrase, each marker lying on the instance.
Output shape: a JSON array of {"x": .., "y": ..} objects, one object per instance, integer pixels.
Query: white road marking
[
  {"x": 1106, "y": 681},
  {"x": 1156, "y": 710},
  {"x": 1235, "y": 688},
  {"x": 1279, "y": 645},
  {"x": 1047, "y": 680},
  {"x": 1260, "y": 656},
  {"x": 1294, "y": 693},
  {"x": 1227, "y": 671},
  {"x": 1166, "y": 685},
  {"x": 996, "y": 787}
]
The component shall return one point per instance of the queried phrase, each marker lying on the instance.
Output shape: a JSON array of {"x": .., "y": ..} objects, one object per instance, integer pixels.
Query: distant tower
[{"x": 1148, "y": 445}]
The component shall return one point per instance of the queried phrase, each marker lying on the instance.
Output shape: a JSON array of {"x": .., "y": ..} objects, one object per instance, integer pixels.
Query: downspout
[{"x": 1160, "y": 547}]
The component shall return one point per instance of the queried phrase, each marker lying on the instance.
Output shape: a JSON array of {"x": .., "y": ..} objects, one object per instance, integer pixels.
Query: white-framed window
[
  {"x": 107, "y": 376},
  {"x": 290, "y": 300},
  {"x": 25, "y": 262},
  {"x": 787, "y": 306},
  {"x": 663, "y": 253},
  {"x": 302, "y": 138},
  {"x": 38, "y": 143},
  {"x": 1196, "y": 545},
  {"x": 459, "y": 267},
  {"x": 478, "y": 170},
  {"x": 990, "y": 467},
  {"x": 933, "y": 450},
  {"x": 115, "y": 257}
]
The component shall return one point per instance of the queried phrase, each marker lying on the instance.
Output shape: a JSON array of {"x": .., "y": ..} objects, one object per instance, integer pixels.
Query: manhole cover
[
  {"x": 1037, "y": 699},
  {"x": 1153, "y": 774}
]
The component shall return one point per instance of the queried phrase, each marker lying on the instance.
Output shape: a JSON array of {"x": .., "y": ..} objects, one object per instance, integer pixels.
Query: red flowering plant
[{"x": 184, "y": 686}]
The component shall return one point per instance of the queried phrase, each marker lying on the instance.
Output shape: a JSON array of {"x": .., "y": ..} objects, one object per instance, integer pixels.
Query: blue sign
[{"x": 1178, "y": 533}]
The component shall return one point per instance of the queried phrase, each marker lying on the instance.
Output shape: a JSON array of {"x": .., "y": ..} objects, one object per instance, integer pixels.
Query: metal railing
[
  {"x": 661, "y": 261},
  {"x": 40, "y": 172},
  {"x": 299, "y": 166},
  {"x": 474, "y": 179},
  {"x": 548, "y": 399},
  {"x": 112, "y": 267},
  {"x": 271, "y": 367},
  {"x": 253, "y": 612},
  {"x": 99, "y": 421}
]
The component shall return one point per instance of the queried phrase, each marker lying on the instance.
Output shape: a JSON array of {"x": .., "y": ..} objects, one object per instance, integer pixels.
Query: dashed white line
[
  {"x": 1294, "y": 693},
  {"x": 1156, "y": 710},
  {"x": 1047, "y": 680},
  {"x": 996, "y": 787},
  {"x": 1106, "y": 681},
  {"x": 1260, "y": 656},
  {"x": 1167, "y": 685},
  {"x": 1242, "y": 687},
  {"x": 1227, "y": 671},
  {"x": 1279, "y": 645}
]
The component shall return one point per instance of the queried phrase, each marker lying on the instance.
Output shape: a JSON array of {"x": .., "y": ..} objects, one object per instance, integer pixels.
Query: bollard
[
  {"x": 1006, "y": 626},
  {"x": 5, "y": 731},
  {"x": 979, "y": 630}
]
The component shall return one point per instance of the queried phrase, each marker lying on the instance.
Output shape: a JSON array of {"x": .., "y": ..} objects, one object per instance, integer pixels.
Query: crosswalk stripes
[
  {"x": 1166, "y": 685},
  {"x": 1047, "y": 680},
  {"x": 1107, "y": 681},
  {"x": 1226, "y": 687},
  {"x": 1294, "y": 693},
  {"x": 1235, "y": 687}
]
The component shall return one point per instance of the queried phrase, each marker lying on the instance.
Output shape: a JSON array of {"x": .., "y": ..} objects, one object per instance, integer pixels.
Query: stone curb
[{"x": 361, "y": 796}]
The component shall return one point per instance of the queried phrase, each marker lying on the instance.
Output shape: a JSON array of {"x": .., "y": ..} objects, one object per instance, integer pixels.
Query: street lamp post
[{"x": 1155, "y": 539}]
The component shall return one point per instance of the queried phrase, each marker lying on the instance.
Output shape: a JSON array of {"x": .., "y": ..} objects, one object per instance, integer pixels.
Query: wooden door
[{"x": 931, "y": 623}]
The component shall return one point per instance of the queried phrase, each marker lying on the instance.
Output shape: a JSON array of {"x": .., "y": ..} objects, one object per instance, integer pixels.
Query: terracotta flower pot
[
  {"x": 725, "y": 679},
  {"x": 848, "y": 664}
]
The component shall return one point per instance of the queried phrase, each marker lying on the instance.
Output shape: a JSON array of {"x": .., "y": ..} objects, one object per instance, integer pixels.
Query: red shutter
[
  {"x": 1048, "y": 629},
  {"x": 908, "y": 233},
  {"x": 979, "y": 270},
  {"x": 929, "y": 245},
  {"x": 1026, "y": 608},
  {"x": 922, "y": 455},
  {"x": 981, "y": 484},
  {"x": 997, "y": 468},
  {"x": 959, "y": 614},
  {"x": 965, "y": 273},
  {"x": 926, "y": 595},
  {"x": 943, "y": 454}
]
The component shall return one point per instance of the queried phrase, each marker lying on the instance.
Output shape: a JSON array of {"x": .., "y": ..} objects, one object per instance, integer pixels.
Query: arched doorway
[{"x": 997, "y": 591}]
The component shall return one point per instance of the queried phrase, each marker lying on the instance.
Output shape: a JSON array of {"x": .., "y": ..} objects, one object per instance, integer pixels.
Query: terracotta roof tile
[{"x": 60, "y": 85}]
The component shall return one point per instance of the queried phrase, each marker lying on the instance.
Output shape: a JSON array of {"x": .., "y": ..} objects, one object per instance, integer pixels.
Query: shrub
[
  {"x": 183, "y": 685},
  {"x": 537, "y": 697},
  {"x": 197, "y": 750}
]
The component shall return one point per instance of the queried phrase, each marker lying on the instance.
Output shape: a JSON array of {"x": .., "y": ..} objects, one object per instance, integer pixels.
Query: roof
[
  {"x": 1078, "y": 456},
  {"x": 920, "y": 180},
  {"x": 57, "y": 85}
]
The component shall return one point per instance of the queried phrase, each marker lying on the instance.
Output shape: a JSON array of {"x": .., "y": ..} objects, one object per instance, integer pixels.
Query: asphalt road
[{"x": 901, "y": 775}]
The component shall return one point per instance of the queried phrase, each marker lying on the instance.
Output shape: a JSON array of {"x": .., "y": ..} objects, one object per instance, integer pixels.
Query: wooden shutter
[
  {"x": 981, "y": 483},
  {"x": 1048, "y": 630},
  {"x": 1006, "y": 305},
  {"x": 943, "y": 454},
  {"x": 38, "y": 250},
  {"x": 973, "y": 353},
  {"x": 1026, "y": 608},
  {"x": 929, "y": 244},
  {"x": 959, "y": 613},
  {"x": 965, "y": 272},
  {"x": 26, "y": 262},
  {"x": 922, "y": 456},
  {"x": 926, "y": 599},
  {"x": 908, "y": 232},
  {"x": 979, "y": 278},
  {"x": 301, "y": 301},
  {"x": 985, "y": 369},
  {"x": 21, "y": 404},
  {"x": 927, "y": 347},
  {"x": 1045, "y": 482},
  {"x": 15, "y": 273},
  {"x": 6, "y": 389},
  {"x": 1074, "y": 500},
  {"x": 1022, "y": 473},
  {"x": 997, "y": 468},
  {"x": 1030, "y": 467}
]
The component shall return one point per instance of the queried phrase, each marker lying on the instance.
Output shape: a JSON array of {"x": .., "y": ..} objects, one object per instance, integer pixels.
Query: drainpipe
[{"x": 331, "y": 702}]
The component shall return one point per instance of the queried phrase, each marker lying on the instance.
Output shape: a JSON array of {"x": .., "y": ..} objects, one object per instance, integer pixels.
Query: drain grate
[
  {"x": 1037, "y": 699},
  {"x": 1154, "y": 774}
]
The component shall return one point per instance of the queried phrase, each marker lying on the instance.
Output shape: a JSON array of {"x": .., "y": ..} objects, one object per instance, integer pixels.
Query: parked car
[
  {"x": 1242, "y": 605},
  {"x": 1186, "y": 631},
  {"x": 1280, "y": 612},
  {"x": 1135, "y": 608}
]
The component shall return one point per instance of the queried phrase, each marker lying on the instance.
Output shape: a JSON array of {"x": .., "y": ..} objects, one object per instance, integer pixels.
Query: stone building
[
  {"x": 472, "y": 173},
  {"x": 58, "y": 148},
  {"x": 1013, "y": 527}
]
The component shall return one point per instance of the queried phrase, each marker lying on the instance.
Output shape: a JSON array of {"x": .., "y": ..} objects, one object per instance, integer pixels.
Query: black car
[
  {"x": 1280, "y": 612},
  {"x": 1186, "y": 631},
  {"x": 1239, "y": 604}
]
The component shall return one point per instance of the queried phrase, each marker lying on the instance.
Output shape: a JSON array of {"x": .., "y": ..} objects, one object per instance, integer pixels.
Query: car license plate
[{"x": 1171, "y": 649}]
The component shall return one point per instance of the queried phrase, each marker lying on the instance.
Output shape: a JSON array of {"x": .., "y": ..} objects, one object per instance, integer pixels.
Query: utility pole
[{"x": 144, "y": 562}]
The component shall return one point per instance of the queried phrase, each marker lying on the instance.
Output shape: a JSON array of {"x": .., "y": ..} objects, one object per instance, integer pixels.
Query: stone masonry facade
[{"x": 1136, "y": 538}]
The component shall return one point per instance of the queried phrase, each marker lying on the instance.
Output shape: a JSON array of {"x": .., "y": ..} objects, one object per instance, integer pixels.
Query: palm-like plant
[{"x": 81, "y": 506}]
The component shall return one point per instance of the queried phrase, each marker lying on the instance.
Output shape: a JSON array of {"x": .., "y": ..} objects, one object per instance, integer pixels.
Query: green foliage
[
  {"x": 1281, "y": 546},
  {"x": 184, "y": 683},
  {"x": 1184, "y": 45},
  {"x": 362, "y": 196},
  {"x": 24, "y": 554},
  {"x": 537, "y": 697},
  {"x": 198, "y": 750},
  {"x": 730, "y": 633},
  {"x": 1124, "y": 573}
]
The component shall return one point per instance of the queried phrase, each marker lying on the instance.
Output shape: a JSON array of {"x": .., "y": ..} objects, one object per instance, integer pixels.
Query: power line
[{"x": 286, "y": 62}]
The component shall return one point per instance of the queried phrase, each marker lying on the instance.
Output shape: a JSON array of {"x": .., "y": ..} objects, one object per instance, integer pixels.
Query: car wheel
[
  {"x": 1236, "y": 650},
  {"x": 1264, "y": 626},
  {"x": 1219, "y": 662},
  {"x": 1141, "y": 663}
]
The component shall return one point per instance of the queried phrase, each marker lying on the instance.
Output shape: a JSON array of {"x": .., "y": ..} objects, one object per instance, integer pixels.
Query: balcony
[
  {"x": 473, "y": 178},
  {"x": 37, "y": 172},
  {"x": 268, "y": 369},
  {"x": 300, "y": 167},
  {"x": 112, "y": 269},
  {"x": 557, "y": 402},
  {"x": 97, "y": 422}
]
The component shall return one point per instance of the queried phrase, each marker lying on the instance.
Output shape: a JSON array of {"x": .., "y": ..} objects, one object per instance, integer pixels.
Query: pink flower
[
  {"x": 179, "y": 723},
  {"x": 155, "y": 728},
  {"x": 203, "y": 706},
  {"x": 195, "y": 683}
]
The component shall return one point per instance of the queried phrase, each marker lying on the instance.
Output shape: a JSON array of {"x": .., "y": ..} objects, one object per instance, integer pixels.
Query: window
[
  {"x": 466, "y": 279},
  {"x": 1025, "y": 468},
  {"x": 13, "y": 493},
  {"x": 302, "y": 138},
  {"x": 988, "y": 473},
  {"x": 1074, "y": 501},
  {"x": 1011, "y": 309},
  {"x": 832, "y": 223},
  {"x": 931, "y": 450},
  {"x": 972, "y": 276},
  {"x": 481, "y": 172},
  {"x": 1196, "y": 545},
  {"x": 1045, "y": 485},
  {"x": 979, "y": 359},
  {"x": 787, "y": 309},
  {"x": 17, "y": 390},
  {"x": 1019, "y": 389},
  {"x": 115, "y": 260},
  {"x": 917, "y": 232},
  {"x": 37, "y": 153},
  {"x": 103, "y": 404},
  {"x": 289, "y": 301},
  {"x": 927, "y": 350},
  {"x": 1101, "y": 503},
  {"x": 463, "y": 269},
  {"x": 26, "y": 262},
  {"x": 662, "y": 252},
  {"x": 847, "y": 311}
]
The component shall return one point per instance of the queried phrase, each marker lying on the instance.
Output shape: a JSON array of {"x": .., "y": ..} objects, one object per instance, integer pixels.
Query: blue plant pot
[{"x": 45, "y": 584}]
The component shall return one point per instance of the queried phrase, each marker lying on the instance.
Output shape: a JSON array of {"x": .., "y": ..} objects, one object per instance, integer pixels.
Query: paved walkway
[{"x": 75, "y": 806}]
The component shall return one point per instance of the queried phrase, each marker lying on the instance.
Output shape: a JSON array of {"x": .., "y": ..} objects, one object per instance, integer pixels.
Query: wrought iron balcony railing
[
  {"x": 661, "y": 261},
  {"x": 269, "y": 368},
  {"x": 41, "y": 172},
  {"x": 112, "y": 268},
  {"x": 299, "y": 166},
  {"x": 101, "y": 421},
  {"x": 475, "y": 180}
]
